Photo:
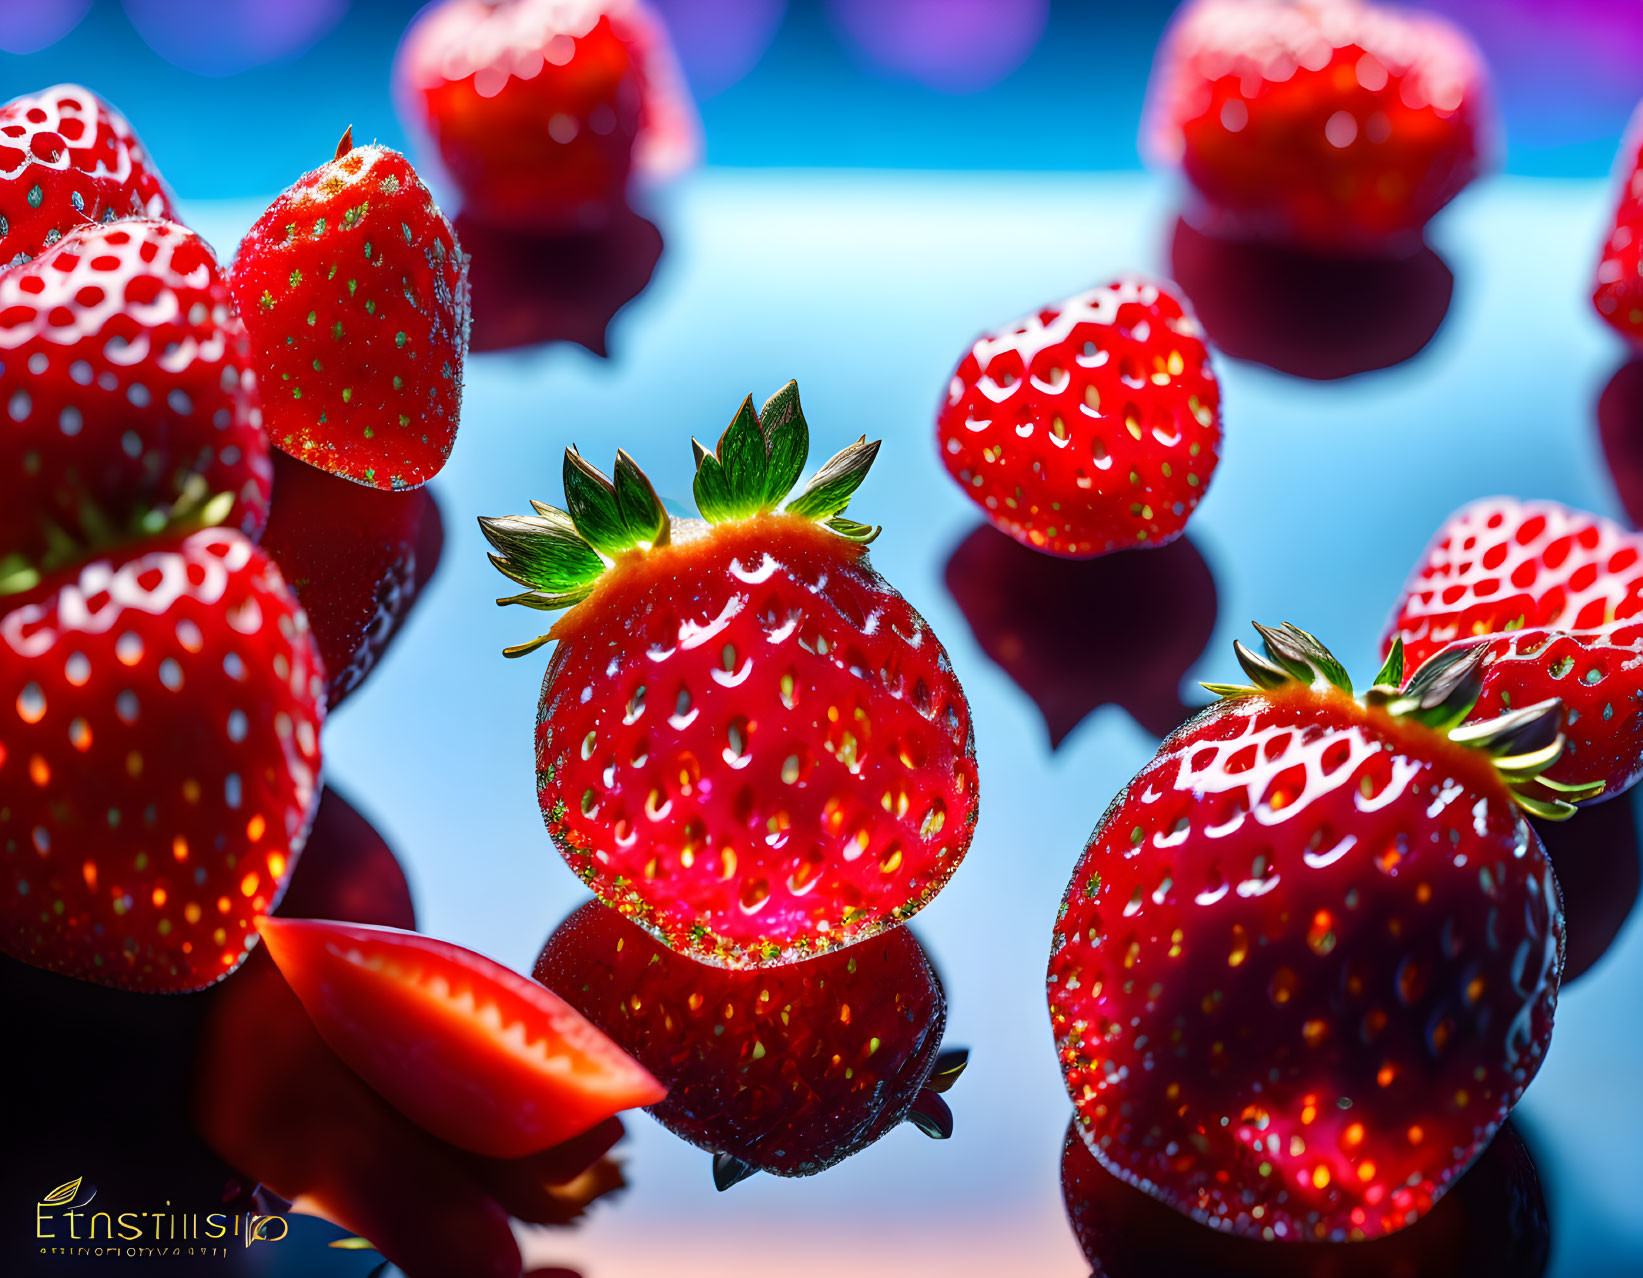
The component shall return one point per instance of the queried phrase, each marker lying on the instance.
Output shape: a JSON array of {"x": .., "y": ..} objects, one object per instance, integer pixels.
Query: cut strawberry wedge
[{"x": 480, "y": 1056}]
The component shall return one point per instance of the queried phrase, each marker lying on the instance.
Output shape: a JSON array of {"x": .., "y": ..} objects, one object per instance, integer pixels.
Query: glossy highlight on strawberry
[
  {"x": 1091, "y": 426},
  {"x": 1309, "y": 958},
  {"x": 127, "y": 399},
  {"x": 747, "y": 741},
  {"x": 159, "y": 753}
]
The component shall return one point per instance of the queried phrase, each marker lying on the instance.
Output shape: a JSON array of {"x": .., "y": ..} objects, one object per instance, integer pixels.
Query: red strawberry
[
  {"x": 1028, "y": 611},
  {"x": 127, "y": 395},
  {"x": 474, "y": 1053},
  {"x": 1091, "y": 426},
  {"x": 1619, "y": 293},
  {"x": 1620, "y": 428},
  {"x": 355, "y": 296},
  {"x": 1493, "y": 1222},
  {"x": 356, "y": 559},
  {"x": 1309, "y": 958},
  {"x": 159, "y": 757},
  {"x": 1340, "y": 126},
  {"x": 540, "y": 109},
  {"x": 786, "y": 1070},
  {"x": 68, "y": 158},
  {"x": 747, "y": 741}
]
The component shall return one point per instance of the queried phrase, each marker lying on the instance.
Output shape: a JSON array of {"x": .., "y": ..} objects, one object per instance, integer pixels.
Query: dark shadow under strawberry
[
  {"x": 1074, "y": 634},
  {"x": 1314, "y": 317},
  {"x": 356, "y": 557},
  {"x": 1620, "y": 430},
  {"x": 787, "y": 1070},
  {"x": 529, "y": 289},
  {"x": 348, "y": 871},
  {"x": 1493, "y": 1222},
  {"x": 1596, "y": 857}
]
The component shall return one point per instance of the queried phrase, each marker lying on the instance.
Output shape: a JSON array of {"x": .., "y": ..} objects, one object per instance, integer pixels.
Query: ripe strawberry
[
  {"x": 1091, "y": 426},
  {"x": 356, "y": 558},
  {"x": 747, "y": 741},
  {"x": 1309, "y": 958},
  {"x": 159, "y": 760},
  {"x": 1493, "y": 1222},
  {"x": 1028, "y": 611},
  {"x": 127, "y": 394},
  {"x": 355, "y": 296},
  {"x": 540, "y": 109},
  {"x": 787, "y": 1070},
  {"x": 1619, "y": 410},
  {"x": 1339, "y": 126},
  {"x": 68, "y": 158},
  {"x": 1619, "y": 293},
  {"x": 466, "y": 1049}
]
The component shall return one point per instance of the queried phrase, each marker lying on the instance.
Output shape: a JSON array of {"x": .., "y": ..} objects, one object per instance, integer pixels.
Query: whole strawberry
[
  {"x": 1337, "y": 126},
  {"x": 355, "y": 296},
  {"x": 1309, "y": 958},
  {"x": 67, "y": 158},
  {"x": 159, "y": 760},
  {"x": 127, "y": 393},
  {"x": 541, "y": 109},
  {"x": 356, "y": 559},
  {"x": 788, "y": 1070},
  {"x": 1091, "y": 426},
  {"x": 1619, "y": 293},
  {"x": 747, "y": 741}
]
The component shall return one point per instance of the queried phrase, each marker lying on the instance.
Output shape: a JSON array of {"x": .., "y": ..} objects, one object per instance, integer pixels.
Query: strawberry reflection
[
  {"x": 276, "y": 1103},
  {"x": 529, "y": 289},
  {"x": 1313, "y": 317},
  {"x": 1620, "y": 429},
  {"x": 1075, "y": 634},
  {"x": 1595, "y": 855},
  {"x": 784, "y": 1069},
  {"x": 1493, "y": 1221}
]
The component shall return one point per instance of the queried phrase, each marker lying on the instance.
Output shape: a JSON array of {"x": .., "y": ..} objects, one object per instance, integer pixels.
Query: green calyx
[
  {"x": 560, "y": 555},
  {"x": 1521, "y": 744}
]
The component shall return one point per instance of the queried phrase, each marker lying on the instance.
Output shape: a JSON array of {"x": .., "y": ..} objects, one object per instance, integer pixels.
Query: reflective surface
[{"x": 867, "y": 290}]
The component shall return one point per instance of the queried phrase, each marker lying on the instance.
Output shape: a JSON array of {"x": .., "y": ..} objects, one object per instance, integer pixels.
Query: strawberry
[
  {"x": 1500, "y": 564},
  {"x": 356, "y": 558},
  {"x": 1338, "y": 126},
  {"x": 159, "y": 760},
  {"x": 1619, "y": 413},
  {"x": 1493, "y": 1222},
  {"x": 787, "y": 1070},
  {"x": 1028, "y": 611},
  {"x": 1309, "y": 959},
  {"x": 540, "y": 109},
  {"x": 1596, "y": 855},
  {"x": 1090, "y": 426},
  {"x": 68, "y": 158},
  {"x": 355, "y": 296},
  {"x": 348, "y": 871},
  {"x": 1619, "y": 292},
  {"x": 128, "y": 396},
  {"x": 474, "y": 1053},
  {"x": 747, "y": 741}
]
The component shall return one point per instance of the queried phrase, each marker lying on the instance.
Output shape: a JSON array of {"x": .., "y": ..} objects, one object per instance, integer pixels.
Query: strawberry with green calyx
[
  {"x": 1309, "y": 959},
  {"x": 747, "y": 741}
]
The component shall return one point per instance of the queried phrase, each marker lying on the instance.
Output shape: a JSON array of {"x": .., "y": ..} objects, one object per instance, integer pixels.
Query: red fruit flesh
[
  {"x": 357, "y": 559},
  {"x": 125, "y": 382},
  {"x": 1619, "y": 292},
  {"x": 789, "y": 1069},
  {"x": 159, "y": 758},
  {"x": 476, "y": 1054},
  {"x": 67, "y": 159},
  {"x": 1502, "y": 564},
  {"x": 1304, "y": 968},
  {"x": 751, "y": 745},
  {"x": 532, "y": 105},
  {"x": 355, "y": 297},
  {"x": 1341, "y": 127},
  {"x": 1091, "y": 426}
]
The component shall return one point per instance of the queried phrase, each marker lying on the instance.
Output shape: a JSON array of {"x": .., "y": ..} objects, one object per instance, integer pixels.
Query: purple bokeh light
[
  {"x": 225, "y": 37},
  {"x": 27, "y": 26},
  {"x": 955, "y": 46},
  {"x": 720, "y": 41}
]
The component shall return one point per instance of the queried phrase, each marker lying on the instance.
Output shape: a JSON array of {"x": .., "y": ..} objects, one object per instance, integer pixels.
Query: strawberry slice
[{"x": 476, "y": 1054}]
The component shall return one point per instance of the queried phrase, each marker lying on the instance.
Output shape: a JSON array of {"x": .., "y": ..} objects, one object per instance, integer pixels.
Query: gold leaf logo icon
[{"x": 64, "y": 1193}]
